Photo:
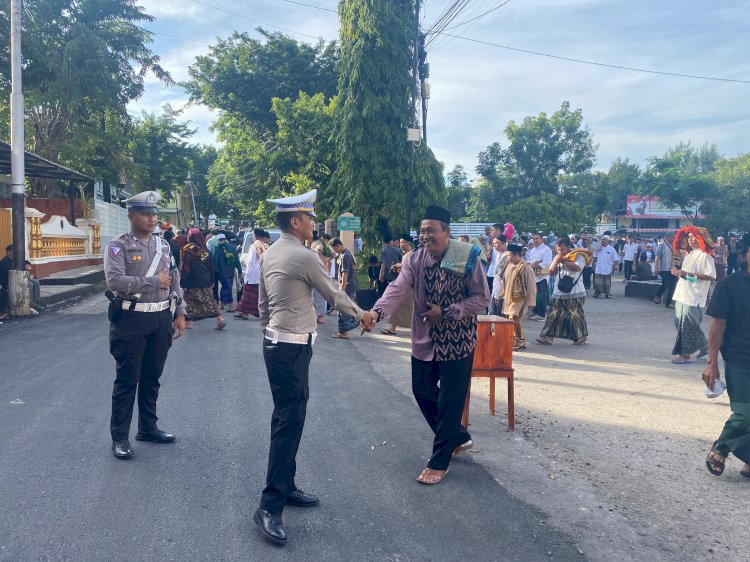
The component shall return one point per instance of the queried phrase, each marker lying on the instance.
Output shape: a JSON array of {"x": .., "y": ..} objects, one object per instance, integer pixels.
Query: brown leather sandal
[{"x": 430, "y": 476}]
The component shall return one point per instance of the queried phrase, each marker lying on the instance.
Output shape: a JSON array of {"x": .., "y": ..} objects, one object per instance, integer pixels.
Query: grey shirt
[
  {"x": 127, "y": 260},
  {"x": 346, "y": 265},
  {"x": 664, "y": 255},
  {"x": 288, "y": 273}
]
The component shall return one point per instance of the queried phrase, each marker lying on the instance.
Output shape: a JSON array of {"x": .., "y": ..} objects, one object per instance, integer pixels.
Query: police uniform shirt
[
  {"x": 289, "y": 271},
  {"x": 127, "y": 259}
]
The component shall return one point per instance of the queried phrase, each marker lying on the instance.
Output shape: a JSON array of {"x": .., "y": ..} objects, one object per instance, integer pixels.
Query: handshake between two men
[{"x": 434, "y": 315}]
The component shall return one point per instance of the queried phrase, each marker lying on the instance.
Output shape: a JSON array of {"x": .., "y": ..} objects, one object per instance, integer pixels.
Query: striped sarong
[
  {"x": 566, "y": 320},
  {"x": 602, "y": 284},
  {"x": 690, "y": 337}
]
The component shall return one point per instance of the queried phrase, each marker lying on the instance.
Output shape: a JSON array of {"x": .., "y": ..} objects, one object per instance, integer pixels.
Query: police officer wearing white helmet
[{"x": 146, "y": 313}]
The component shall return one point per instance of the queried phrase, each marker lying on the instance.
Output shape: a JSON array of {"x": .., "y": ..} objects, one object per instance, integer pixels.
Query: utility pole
[
  {"x": 424, "y": 74},
  {"x": 189, "y": 184},
  {"x": 412, "y": 148},
  {"x": 18, "y": 280}
]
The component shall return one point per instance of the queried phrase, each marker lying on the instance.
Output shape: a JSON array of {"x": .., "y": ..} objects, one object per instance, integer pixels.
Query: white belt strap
[
  {"x": 146, "y": 306},
  {"x": 301, "y": 339}
]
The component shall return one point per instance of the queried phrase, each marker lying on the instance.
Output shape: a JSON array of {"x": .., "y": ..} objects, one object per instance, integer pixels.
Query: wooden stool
[{"x": 493, "y": 358}]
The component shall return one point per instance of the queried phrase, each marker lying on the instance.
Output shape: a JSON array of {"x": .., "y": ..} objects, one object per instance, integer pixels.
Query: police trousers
[
  {"x": 288, "y": 367},
  {"x": 139, "y": 342}
]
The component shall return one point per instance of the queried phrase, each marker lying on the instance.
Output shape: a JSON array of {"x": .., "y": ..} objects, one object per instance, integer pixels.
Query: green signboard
[{"x": 349, "y": 223}]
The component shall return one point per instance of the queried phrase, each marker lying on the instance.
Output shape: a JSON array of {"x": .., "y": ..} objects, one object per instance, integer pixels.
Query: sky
[{"x": 476, "y": 89}]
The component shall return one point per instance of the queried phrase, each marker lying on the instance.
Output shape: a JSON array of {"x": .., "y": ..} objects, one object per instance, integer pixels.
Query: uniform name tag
[{"x": 137, "y": 258}]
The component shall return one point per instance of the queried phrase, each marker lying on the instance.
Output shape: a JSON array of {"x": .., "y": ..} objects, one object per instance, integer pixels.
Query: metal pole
[
  {"x": 415, "y": 81},
  {"x": 423, "y": 81},
  {"x": 192, "y": 195},
  {"x": 18, "y": 171},
  {"x": 72, "y": 197}
]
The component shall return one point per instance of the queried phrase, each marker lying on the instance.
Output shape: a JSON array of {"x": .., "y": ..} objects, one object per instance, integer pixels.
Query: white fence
[
  {"x": 114, "y": 220},
  {"x": 471, "y": 229}
]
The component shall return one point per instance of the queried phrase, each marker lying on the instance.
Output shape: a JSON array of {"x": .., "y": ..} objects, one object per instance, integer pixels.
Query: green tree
[
  {"x": 305, "y": 145},
  {"x": 161, "y": 158},
  {"x": 546, "y": 211},
  {"x": 682, "y": 177},
  {"x": 376, "y": 42},
  {"x": 543, "y": 148},
  {"x": 83, "y": 62},
  {"x": 458, "y": 192},
  {"x": 252, "y": 83},
  {"x": 200, "y": 159},
  {"x": 727, "y": 210},
  {"x": 241, "y": 76},
  {"x": 602, "y": 194}
]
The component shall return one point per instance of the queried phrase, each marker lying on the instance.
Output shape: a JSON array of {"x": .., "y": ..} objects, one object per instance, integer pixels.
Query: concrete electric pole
[
  {"x": 18, "y": 280},
  {"x": 414, "y": 110}
]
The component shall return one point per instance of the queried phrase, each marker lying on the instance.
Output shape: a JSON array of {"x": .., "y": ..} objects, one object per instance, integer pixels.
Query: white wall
[{"x": 114, "y": 220}]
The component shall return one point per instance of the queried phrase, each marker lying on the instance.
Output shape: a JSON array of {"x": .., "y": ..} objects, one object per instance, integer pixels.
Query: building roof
[{"x": 38, "y": 167}]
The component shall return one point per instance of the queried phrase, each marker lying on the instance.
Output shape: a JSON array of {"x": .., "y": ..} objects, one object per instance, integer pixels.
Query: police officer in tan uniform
[
  {"x": 146, "y": 312},
  {"x": 289, "y": 272}
]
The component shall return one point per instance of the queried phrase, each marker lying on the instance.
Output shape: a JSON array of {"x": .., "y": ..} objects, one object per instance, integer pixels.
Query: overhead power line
[
  {"x": 594, "y": 63},
  {"x": 310, "y": 6},
  {"x": 178, "y": 37},
  {"x": 253, "y": 20},
  {"x": 480, "y": 16}
]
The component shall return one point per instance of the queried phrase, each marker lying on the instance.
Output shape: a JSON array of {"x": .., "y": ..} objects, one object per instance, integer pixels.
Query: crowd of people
[{"x": 436, "y": 290}]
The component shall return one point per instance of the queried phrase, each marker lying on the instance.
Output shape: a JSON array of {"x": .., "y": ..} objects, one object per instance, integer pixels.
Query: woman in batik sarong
[
  {"x": 196, "y": 279},
  {"x": 693, "y": 283},
  {"x": 566, "y": 319}
]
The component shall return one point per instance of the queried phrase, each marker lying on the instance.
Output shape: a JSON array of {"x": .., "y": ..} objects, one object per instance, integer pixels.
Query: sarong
[
  {"x": 690, "y": 337},
  {"x": 346, "y": 322},
  {"x": 602, "y": 284},
  {"x": 225, "y": 294},
  {"x": 721, "y": 271},
  {"x": 249, "y": 302},
  {"x": 566, "y": 320},
  {"x": 321, "y": 306},
  {"x": 200, "y": 303},
  {"x": 736, "y": 433}
]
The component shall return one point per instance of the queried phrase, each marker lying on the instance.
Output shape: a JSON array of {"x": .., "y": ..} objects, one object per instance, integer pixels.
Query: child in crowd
[{"x": 373, "y": 270}]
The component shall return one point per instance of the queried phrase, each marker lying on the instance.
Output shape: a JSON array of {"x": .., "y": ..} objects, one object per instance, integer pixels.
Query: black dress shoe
[
  {"x": 155, "y": 435},
  {"x": 122, "y": 449},
  {"x": 301, "y": 499},
  {"x": 271, "y": 527}
]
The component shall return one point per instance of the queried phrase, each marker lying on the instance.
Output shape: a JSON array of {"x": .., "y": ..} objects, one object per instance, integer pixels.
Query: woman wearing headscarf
[
  {"x": 197, "y": 280},
  {"x": 694, "y": 280}
]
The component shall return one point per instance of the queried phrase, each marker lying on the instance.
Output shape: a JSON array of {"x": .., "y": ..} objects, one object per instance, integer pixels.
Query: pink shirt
[{"x": 411, "y": 279}]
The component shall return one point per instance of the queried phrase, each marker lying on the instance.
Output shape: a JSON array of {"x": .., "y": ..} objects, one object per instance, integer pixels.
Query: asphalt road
[{"x": 65, "y": 497}]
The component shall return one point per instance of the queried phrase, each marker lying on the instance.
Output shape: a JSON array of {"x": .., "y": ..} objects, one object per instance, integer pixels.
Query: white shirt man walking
[
  {"x": 539, "y": 257},
  {"x": 606, "y": 262}
]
